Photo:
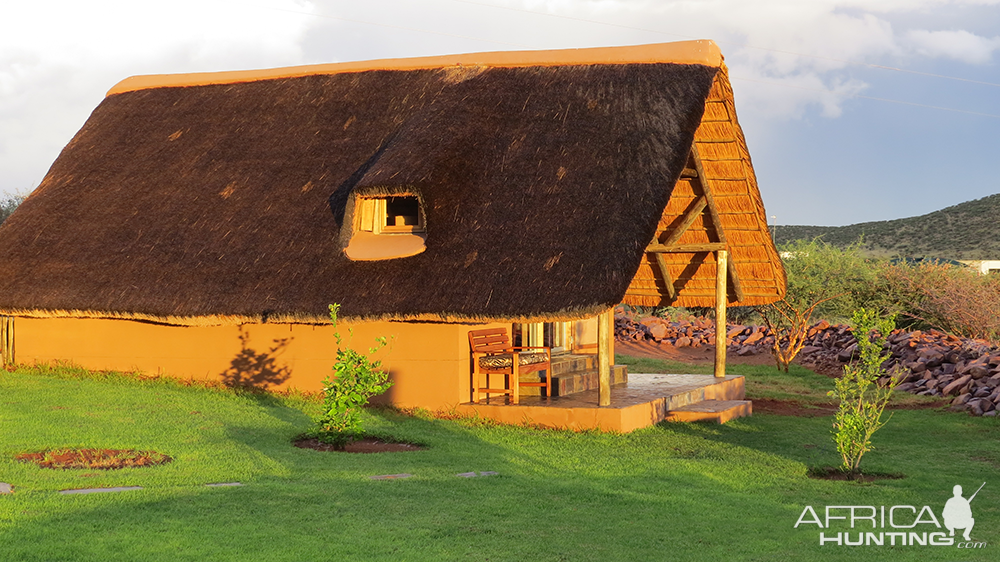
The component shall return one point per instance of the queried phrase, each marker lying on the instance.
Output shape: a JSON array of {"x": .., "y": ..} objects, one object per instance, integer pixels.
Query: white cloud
[
  {"x": 959, "y": 44},
  {"x": 58, "y": 58},
  {"x": 111, "y": 32}
]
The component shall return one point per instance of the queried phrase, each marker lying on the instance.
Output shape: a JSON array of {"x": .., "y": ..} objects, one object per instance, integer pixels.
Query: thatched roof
[
  {"x": 720, "y": 173},
  {"x": 227, "y": 198}
]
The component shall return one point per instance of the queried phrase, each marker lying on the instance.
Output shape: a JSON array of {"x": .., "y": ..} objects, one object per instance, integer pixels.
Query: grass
[{"x": 669, "y": 492}]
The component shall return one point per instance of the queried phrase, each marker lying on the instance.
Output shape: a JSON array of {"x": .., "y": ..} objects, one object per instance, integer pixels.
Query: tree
[
  {"x": 8, "y": 203},
  {"x": 824, "y": 281}
]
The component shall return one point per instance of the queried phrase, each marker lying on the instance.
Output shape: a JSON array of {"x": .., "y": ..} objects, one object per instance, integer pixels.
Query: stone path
[{"x": 391, "y": 476}]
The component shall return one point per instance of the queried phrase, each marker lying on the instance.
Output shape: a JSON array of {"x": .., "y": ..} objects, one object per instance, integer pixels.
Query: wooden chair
[{"x": 492, "y": 354}]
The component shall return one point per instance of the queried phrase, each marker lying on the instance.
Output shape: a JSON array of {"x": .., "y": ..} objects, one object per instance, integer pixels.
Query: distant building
[{"x": 986, "y": 267}]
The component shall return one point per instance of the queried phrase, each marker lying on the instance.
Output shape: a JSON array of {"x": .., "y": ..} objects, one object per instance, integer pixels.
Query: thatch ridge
[{"x": 454, "y": 67}]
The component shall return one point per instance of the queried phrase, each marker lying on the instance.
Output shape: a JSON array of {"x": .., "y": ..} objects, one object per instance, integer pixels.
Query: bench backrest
[{"x": 492, "y": 340}]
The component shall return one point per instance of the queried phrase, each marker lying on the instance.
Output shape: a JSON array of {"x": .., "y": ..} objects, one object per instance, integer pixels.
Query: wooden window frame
[{"x": 372, "y": 216}]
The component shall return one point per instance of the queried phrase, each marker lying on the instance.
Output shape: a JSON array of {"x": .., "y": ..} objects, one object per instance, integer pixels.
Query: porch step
[
  {"x": 572, "y": 374},
  {"x": 720, "y": 411}
]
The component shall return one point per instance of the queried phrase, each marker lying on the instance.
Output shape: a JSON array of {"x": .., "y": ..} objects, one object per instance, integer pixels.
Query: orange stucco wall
[{"x": 428, "y": 362}]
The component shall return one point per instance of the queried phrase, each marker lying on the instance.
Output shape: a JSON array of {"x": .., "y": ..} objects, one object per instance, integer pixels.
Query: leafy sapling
[
  {"x": 862, "y": 399},
  {"x": 356, "y": 378}
]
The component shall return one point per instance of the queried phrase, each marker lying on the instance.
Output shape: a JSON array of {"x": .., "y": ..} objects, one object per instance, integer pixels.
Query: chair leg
[
  {"x": 515, "y": 385},
  {"x": 548, "y": 382},
  {"x": 475, "y": 387}
]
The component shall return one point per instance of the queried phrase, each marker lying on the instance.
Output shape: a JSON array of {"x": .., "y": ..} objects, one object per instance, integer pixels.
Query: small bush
[
  {"x": 951, "y": 298},
  {"x": 356, "y": 379},
  {"x": 862, "y": 400}
]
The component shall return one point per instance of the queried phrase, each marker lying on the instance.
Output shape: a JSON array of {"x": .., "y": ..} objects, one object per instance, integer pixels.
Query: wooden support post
[
  {"x": 603, "y": 361},
  {"x": 721, "y": 259},
  {"x": 7, "y": 340},
  {"x": 611, "y": 337}
]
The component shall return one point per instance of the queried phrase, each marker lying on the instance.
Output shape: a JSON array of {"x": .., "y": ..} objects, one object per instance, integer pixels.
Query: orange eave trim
[{"x": 702, "y": 51}]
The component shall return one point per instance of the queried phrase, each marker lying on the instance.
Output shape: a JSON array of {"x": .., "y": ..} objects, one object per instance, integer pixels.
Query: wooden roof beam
[
  {"x": 689, "y": 217},
  {"x": 661, "y": 264},
  {"x": 734, "y": 280},
  {"x": 685, "y": 248}
]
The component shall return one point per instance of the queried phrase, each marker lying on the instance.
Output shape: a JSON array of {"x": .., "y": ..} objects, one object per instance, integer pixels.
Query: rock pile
[{"x": 928, "y": 363}]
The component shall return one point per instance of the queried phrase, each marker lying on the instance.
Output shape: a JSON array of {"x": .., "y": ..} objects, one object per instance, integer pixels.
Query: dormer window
[
  {"x": 387, "y": 227},
  {"x": 387, "y": 215}
]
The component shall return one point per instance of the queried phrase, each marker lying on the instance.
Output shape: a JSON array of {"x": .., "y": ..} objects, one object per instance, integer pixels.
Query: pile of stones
[{"x": 929, "y": 363}]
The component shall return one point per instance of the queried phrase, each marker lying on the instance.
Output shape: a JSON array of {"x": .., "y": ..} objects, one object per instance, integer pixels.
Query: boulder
[
  {"x": 977, "y": 371},
  {"x": 956, "y": 385},
  {"x": 657, "y": 331},
  {"x": 845, "y": 355}
]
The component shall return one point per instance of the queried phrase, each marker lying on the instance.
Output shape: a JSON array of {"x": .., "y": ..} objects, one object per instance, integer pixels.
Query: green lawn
[{"x": 670, "y": 492}]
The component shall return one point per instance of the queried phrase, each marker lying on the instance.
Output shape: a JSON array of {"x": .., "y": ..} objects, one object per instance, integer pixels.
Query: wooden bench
[{"x": 492, "y": 354}]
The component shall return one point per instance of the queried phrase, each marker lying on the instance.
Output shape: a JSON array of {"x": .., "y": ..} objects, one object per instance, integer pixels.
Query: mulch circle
[
  {"x": 100, "y": 459},
  {"x": 835, "y": 473},
  {"x": 366, "y": 445}
]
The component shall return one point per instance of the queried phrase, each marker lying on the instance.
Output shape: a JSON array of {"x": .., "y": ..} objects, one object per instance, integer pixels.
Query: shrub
[
  {"x": 824, "y": 281},
  {"x": 954, "y": 299},
  {"x": 862, "y": 400},
  {"x": 356, "y": 379}
]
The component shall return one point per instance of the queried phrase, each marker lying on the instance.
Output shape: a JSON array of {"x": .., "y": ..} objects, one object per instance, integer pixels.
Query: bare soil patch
[
  {"x": 791, "y": 408},
  {"x": 100, "y": 459},
  {"x": 366, "y": 445},
  {"x": 832, "y": 473}
]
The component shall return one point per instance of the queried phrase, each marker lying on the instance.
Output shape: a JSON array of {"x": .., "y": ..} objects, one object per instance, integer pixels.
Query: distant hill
[{"x": 969, "y": 231}]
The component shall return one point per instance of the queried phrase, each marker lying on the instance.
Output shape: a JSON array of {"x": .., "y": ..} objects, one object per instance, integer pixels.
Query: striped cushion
[{"x": 504, "y": 360}]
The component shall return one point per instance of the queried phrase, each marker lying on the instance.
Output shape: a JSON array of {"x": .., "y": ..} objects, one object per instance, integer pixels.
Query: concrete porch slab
[{"x": 645, "y": 400}]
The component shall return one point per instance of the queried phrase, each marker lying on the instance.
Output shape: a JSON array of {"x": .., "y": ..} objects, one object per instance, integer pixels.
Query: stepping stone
[
  {"x": 390, "y": 476},
  {"x": 6, "y": 488},
  {"x": 223, "y": 484},
  {"x": 473, "y": 474},
  {"x": 100, "y": 490}
]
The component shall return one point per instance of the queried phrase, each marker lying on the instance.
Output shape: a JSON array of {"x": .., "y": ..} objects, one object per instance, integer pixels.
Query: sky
[{"x": 853, "y": 110}]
